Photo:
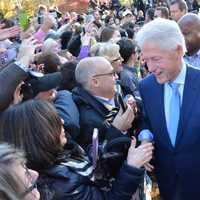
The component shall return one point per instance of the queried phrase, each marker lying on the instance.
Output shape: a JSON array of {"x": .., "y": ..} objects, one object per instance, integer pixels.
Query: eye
[{"x": 156, "y": 59}]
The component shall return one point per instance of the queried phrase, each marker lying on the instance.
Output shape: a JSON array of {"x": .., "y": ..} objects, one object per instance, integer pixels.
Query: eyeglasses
[
  {"x": 106, "y": 74},
  {"x": 33, "y": 185},
  {"x": 117, "y": 59}
]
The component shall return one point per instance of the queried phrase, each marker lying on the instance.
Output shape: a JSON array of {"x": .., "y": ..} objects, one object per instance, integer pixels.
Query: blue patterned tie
[{"x": 174, "y": 112}]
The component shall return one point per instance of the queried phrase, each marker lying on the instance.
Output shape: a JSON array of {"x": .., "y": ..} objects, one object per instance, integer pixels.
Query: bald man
[
  {"x": 190, "y": 27},
  {"x": 95, "y": 98}
]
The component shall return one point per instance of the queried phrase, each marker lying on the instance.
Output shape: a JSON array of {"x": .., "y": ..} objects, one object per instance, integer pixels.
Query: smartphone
[
  {"x": 95, "y": 146},
  {"x": 23, "y": 20},
  {"x": 121, "y": 102}
]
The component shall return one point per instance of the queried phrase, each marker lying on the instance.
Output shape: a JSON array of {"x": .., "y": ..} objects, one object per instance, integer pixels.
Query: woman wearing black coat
[{"x": 65, "y": 173}]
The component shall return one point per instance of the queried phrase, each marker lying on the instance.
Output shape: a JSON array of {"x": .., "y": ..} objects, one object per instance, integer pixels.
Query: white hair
[
  {"x": 163, "y": 32},
  {"x": 48, "y": 44}
]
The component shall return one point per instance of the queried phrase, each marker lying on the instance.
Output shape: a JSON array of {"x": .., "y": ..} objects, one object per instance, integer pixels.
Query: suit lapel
[
  {"x": 159, "y": 115},
  {"x": 163, "y": 128},
  {"x": 189, "y": 95}
]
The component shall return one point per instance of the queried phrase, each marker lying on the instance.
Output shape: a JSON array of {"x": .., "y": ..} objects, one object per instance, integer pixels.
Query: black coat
[
  {"x": 94, "y": 114},
  {"x": 61, "y": 183}
]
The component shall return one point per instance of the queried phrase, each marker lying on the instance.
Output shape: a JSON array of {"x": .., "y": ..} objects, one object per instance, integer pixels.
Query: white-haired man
[{"x": 171, "y": 104}]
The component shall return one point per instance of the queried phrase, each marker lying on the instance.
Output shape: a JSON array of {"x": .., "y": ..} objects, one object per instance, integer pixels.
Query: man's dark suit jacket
[
  {"x": 181, "y": 162},
  {"x": 10, "y": 77}
]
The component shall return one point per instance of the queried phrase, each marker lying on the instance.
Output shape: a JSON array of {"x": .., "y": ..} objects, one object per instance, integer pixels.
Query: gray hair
[
  {"x": 163, "y": 32},
  {"x": 87, "y": 68},
  {"x": 11, "y": 187},
  {"x": 109, "y": 50}
]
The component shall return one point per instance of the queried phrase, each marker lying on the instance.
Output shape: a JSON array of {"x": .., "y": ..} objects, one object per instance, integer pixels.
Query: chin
[{"x": 161, "y": 80}]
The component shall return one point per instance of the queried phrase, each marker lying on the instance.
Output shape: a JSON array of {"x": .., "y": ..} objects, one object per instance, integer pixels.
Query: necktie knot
[{"x": 174, "y": 86}]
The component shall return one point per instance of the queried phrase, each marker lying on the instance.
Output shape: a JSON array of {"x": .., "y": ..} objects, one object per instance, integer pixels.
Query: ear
[
  {"x": 180, "y": 51},
  {"x": 94, "y": 82}
]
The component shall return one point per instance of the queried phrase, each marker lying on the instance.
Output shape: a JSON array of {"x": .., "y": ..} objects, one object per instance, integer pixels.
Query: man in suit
[
  {"x": 171, "y": 99},
  {"x": 95, "y": 98}
]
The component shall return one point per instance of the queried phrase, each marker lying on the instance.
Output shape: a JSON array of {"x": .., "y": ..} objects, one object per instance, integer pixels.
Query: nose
[
  {"x": 34, "y": 175},
  {"x": 151, "y": 66}
]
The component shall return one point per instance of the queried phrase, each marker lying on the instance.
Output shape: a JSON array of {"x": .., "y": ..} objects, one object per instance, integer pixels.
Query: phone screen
[
  {"x": 95, "y": 145},
  {"x": 121, "y": 102},
  {"x": 23, "y": 20}
]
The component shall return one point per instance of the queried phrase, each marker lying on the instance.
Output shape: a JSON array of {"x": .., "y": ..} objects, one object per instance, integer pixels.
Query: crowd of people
[{"x": 91, "y": 103}]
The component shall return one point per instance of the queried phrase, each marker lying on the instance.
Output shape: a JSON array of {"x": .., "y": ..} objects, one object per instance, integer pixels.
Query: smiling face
[{"x": 164, "y": 64}]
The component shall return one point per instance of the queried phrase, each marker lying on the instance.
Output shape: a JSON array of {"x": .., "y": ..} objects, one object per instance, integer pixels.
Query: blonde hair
[
  {"x": 94, "y": 50},
  {"x": 109, "y": 51}
]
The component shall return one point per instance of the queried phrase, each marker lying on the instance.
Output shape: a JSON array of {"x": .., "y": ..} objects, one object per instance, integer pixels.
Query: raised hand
[
  {"x": 123, "y": 121},
  {"x": 8, "y": 32},
  {"x": 27, "y": 50}
]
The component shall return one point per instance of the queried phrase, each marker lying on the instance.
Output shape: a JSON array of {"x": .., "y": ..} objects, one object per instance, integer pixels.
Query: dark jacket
[
  {"x": 62, "y": 182},
  {"x": 68, "y": 111},
  {"x": 10, "y": 77},
  {"x": 129, "y": 81},
  {"x": 94, "y": 114}
]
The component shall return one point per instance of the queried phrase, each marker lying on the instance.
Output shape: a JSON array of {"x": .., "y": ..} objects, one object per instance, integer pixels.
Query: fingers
[
  {"x": 148, "y": 167},
  {"x": 133, "y": 143},
  {"x": 145, "y": 152},
  {"x": 128, "y": 113}
]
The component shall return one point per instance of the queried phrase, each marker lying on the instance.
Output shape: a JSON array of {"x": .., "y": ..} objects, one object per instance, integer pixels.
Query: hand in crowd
[
  {"x": 8, "y": 32},
  {"x": 28, "y": 33},
  {"x": 147, "y": 165},
  {"x": 27, "y": 51},
  {"x": 138, "y": 157},
  {"x": 123, "y": 121},
  {"x": 47, "y": 24}
]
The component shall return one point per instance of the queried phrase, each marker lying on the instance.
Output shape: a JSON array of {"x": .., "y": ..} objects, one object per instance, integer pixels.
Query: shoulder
[
  {"x": 59, "y": 182},
  {"x": 192, "y": 69},
  {"x": 148, "y": 82}
]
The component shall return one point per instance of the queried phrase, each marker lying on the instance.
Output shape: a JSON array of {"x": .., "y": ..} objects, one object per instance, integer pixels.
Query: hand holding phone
[
  {"x": 121, "y": 102},
  {"x": 23, "y": 20}
]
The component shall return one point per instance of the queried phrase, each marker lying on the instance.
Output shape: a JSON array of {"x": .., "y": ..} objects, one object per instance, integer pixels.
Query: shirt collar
[
  {"x": 180, "y": 79},
  {"x": 106, "y": 100}
]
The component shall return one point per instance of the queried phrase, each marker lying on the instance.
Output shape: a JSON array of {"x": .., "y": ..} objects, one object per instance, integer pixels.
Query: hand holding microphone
[{"x": 145, "y": 137}]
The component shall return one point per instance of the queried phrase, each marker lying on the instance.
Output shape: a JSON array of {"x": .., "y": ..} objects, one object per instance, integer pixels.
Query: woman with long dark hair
[{"x": 65, "y": 172}]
